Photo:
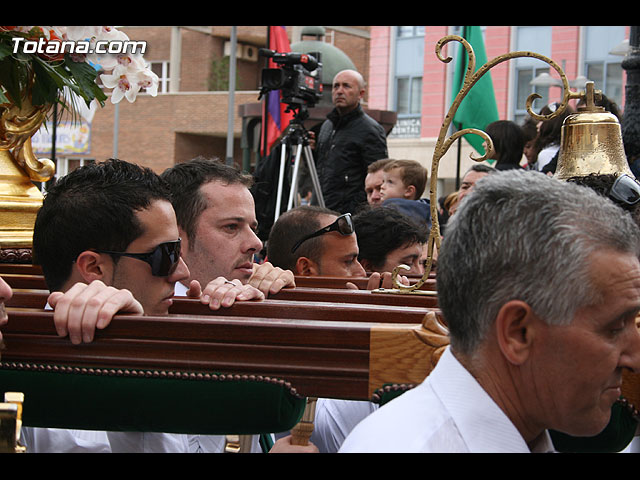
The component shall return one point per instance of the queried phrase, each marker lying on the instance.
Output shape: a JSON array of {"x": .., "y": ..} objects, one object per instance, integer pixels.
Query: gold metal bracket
[
  {"x": 443, "y": 143},
  {"x": 11, "y": 423}
]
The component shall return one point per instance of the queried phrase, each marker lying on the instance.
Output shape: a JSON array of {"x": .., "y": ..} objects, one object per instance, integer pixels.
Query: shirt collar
[{"x": 481, "y": 423}]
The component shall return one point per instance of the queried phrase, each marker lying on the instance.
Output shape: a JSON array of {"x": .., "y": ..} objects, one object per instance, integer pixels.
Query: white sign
[
  {"x": 406, "y": 128},
  {"x": 71, "y": 138}
]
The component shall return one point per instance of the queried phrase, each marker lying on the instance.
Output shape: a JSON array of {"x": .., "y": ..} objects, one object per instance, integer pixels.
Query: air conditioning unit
[
  {"x": 250, "y": 53},
  {"x": 243, "y": 52},
  {"x": 227, "y": 50}
]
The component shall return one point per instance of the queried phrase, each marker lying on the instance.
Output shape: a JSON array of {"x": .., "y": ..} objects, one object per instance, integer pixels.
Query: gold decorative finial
[{"x": 20, "y": 199}]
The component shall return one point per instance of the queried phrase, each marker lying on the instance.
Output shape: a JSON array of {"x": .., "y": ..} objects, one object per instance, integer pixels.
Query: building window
[
  {"x": 161, "y": 69},
  {"x": 409, "y": 54},
  {"x": 409, "y": 31},
  {"x": 534, "y": 39},
  {"x": 601, "y": 67},
  {"x": 409, "y": 94}
]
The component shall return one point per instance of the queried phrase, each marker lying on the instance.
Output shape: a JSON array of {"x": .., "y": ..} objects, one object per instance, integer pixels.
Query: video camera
[{"x": 299, "y": 77}]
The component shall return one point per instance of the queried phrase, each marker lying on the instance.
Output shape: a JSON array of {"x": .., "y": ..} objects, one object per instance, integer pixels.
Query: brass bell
[{"x": 591, "y": 142}]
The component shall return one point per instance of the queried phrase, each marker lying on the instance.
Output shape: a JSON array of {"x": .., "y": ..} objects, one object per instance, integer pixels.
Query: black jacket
[{"x": 344, "y": 149}]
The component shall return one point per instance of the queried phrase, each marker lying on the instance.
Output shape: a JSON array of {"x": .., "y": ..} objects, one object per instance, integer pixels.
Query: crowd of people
[{"x": 538, "y": 280}]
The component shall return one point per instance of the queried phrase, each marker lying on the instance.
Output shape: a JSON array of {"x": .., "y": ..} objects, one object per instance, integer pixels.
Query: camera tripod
[{"x": 296, "y": 136}]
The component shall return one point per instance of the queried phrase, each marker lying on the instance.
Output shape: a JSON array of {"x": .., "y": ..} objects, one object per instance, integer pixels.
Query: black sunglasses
[
  {"x": 163, "y": 259},
  {"x": 343, "y": 225},
  {"x": 625, "y": 190}
]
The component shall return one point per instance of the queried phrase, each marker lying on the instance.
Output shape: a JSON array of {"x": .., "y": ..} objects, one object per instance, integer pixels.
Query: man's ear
[
  {"x": 94, "y": 266},
  {"x": 515, "y": 328},
  {"x": 306, "y": 267}
]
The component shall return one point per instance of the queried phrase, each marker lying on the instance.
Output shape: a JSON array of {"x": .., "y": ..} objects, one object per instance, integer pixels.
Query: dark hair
[
  {"x": 601, "y": 184},
  {"x": 290, "y": 227},
  {"x": 381, "y": 230},
  {"x": 93, "y": 207},
  {"x": 529, "y": 129},
  {"x": 508, "y": 141},
  {"x": 185, "y": 180},
  {"x": 378, "y": 165},
  {"x": 482, "y": 168},
  {"x": 551, "y": 130}
]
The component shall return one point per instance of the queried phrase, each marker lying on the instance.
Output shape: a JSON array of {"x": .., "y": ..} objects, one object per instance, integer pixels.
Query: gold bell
[{"x": 591, "y": 142}]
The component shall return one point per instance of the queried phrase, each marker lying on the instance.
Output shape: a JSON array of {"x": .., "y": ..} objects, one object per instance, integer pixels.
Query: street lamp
[{"x": 545, "y": 80}]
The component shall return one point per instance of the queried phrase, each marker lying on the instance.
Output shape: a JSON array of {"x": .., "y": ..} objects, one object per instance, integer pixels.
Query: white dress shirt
[
  {"x": 210, "y": 443},
  {"x": 335, "y": 419},
  {"x": 449, "y": 413},
  {"x": 60, "y": 440}
]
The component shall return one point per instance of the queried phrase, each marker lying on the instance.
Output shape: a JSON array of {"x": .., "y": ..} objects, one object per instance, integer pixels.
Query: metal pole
[
  {"x": 631, "y": 116},
  {"x": 54, "y": 133},
  {"x": 283, "y": 160},
  {"x": 116, "y": 128},
  {"x": 232, "y": 89}
]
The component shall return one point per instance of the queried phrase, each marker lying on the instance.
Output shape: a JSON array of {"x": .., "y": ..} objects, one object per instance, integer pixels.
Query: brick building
[
  {"x": 407, "y": 77},
  {"x": 189, "y": 116},
  {"x": 399, "y": 63}
]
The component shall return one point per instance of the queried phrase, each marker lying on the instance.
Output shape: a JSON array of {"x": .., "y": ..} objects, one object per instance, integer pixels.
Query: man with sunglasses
[
  {"x": 313, "y": 241},
  {"x": 316, "y": 241},
  {"x": 113, "y": 222}
]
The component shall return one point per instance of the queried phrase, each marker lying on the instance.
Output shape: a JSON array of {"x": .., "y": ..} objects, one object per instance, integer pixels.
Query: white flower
[
  {"x": 76, "y": 33},
  {"x": 125, "y": 73},
  {"x": 148, "y": 81},
  {"x": 107, "y": 61},
  {"x": 124, "y": 83}
]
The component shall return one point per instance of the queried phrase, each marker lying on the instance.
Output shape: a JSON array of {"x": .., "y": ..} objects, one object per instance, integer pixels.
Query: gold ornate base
[{"x": 20, "y": 201}]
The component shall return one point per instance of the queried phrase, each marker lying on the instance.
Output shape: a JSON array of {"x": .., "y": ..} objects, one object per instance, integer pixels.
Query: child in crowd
[
  {"x": 403, "y": 184},
  {"x": 403, "y": 179}
]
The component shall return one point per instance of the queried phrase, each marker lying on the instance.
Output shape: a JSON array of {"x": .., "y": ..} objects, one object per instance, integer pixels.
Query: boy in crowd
[
  {"x": 403, "y": 179},
  {"x": 404, "y": 182}
]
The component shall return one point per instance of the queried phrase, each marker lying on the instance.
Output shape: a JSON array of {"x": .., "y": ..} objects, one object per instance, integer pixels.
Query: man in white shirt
[
  {"x": 539, "y": 283},
  {"x": 112, "y": 222},
  {"x": 90, "y": 303}
]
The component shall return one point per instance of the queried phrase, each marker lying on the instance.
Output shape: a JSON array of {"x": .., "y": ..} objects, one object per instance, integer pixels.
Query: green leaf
[
  {"x": 45, "y": 89},
  {"x": 10, "y": 73},
  {"x": 3, "y": 97},
  {"x": 85, "y": 75}
]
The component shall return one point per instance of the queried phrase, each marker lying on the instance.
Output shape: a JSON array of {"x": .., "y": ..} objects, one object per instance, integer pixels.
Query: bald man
[{"x": 348, "y": 142}]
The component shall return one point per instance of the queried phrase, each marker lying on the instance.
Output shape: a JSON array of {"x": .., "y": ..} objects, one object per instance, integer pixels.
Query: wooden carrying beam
[
  {"x": 308, "y": 302},
  {"x": 18, "y": 278},
  {"x": 340, "y": 282},
  {"x": 325, "y": 359},
  {"x": 305, "y": 357}
]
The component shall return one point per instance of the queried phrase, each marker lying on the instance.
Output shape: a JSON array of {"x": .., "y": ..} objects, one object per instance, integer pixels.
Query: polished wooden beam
[{"x": 338, "y": 359}]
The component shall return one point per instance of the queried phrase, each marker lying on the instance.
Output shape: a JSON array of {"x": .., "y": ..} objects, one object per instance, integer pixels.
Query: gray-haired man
[{"x": 539, "y": 282}]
